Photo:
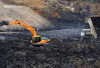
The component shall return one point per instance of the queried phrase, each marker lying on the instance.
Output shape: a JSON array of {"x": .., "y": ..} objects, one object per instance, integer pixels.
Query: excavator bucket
[{"x": 4, "y": 23}]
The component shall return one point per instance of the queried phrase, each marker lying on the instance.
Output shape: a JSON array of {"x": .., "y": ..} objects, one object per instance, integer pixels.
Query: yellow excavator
[{"x": 36, "y": 39}]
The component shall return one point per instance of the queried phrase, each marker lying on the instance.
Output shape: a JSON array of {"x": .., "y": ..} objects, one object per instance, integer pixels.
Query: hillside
[
  {"x": 12, "y": 12},
  {"x": 54, "y": 10},
  {"x": 30, "y": 3}
]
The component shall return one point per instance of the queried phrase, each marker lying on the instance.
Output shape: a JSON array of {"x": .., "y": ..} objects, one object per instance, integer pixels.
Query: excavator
[{"x": 36, "y": 39}]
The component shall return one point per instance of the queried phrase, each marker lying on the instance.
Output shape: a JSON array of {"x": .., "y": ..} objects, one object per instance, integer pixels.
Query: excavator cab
[{"x": 37, "y": 40}]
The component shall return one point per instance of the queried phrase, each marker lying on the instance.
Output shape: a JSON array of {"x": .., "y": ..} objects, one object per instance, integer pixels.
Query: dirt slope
[
  {"x": 30, "y": 3},
  {"x": 12, "y": 12}
]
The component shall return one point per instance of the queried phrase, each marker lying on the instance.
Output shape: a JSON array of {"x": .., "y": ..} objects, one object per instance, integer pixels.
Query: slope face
[
  {"x": 60, "y": 12},
  {"x": 12, "y": 13},
  {"x": 30, "y": 3}
]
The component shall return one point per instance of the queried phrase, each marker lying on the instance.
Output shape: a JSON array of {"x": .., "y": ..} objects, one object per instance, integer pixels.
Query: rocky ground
[
  {"x": 65, "y": 53},
  {"x": 59, "y": 53}
]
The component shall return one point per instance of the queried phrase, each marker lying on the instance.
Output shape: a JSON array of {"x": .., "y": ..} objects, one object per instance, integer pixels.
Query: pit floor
[{"x": 63, "y": 53}]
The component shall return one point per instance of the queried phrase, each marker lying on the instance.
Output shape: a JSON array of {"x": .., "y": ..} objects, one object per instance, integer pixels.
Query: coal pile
[{"x": 65, "y": 53}]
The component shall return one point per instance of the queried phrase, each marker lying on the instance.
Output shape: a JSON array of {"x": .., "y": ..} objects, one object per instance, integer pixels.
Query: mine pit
[{"x": 67, "y": 47}]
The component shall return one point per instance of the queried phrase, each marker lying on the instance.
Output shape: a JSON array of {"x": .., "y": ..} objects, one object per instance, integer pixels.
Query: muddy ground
[{"x": 63, "y": 53}]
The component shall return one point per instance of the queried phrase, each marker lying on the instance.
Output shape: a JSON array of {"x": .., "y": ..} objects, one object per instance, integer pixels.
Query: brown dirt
[
  {"x": 30, "y": 3},
  {"x": 12, "y": 12}
]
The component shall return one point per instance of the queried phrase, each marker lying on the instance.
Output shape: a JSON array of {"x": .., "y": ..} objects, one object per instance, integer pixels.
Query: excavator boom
[{"x": 25, "y": 26}]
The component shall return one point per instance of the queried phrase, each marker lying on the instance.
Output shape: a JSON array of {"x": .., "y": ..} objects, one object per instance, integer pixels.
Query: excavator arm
[{"x": 20, "y": 22}]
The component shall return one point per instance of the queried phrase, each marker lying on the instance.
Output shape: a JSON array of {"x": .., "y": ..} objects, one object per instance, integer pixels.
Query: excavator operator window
[{"x": 36, "y": 39}]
